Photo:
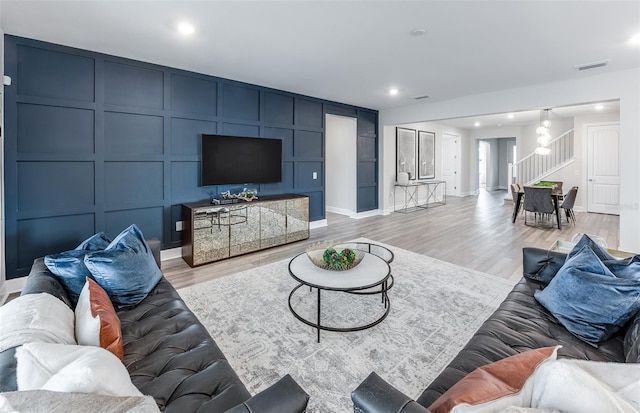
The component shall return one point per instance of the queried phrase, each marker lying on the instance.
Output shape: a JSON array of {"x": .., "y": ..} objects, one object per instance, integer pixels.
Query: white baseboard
[
  {"x": 386, "y": 211},
  {"x": 354, "y": 215},
  {"x": 318, "y": 224},
  {"x": 170, "y": 254},
  {"x": 367, "y": 214},
  {"x": 340, "y": 211}
]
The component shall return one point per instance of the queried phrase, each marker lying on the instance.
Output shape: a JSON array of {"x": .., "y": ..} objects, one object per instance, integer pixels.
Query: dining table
[{"x": 555, "y": 197}]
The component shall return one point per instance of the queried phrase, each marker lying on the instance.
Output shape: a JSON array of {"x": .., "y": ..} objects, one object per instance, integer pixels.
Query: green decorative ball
[{"x": 339, "y": 260}]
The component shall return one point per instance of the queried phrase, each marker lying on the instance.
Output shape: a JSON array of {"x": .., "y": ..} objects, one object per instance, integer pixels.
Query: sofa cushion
[
  {"x": 588, "y": 299},
  {"x": 171, "y": 356},
  {"x": 69, "y": 266},
  {"x": 496, "y": 385},
  {"x": 97, "y": 323},
  {"x": 126, "y": 269}
]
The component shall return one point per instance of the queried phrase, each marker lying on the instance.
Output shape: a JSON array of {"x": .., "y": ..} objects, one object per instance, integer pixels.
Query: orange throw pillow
[
  {"x": 97, "y": 323},
  {"x": 494, "y": 382}
]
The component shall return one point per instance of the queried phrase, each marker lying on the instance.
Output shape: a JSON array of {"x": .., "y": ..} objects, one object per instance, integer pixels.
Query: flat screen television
[{"x": 238, "y": 160}]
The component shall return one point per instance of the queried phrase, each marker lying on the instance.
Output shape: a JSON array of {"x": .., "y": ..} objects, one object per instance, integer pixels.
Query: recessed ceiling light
[
  {"x": 186, "y": 28},
  {"x": 393, "y": 92},
  {"x": 635, "y": 39},
  {"x": 599, "y": 107},
  {"x": 499, "y": 124},
  {"x": 417, "y": 32},
  {"x": 476, "y": 124},
  {"x": 510, "y": 116}
]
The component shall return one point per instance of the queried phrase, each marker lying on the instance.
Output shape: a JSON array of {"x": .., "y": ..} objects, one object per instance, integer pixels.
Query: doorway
[
  {"x": 484, "y": 154},
  {"x": 450, "y": 163},
  {"x": 341, "y": 186},
  {"x": 603, "y": 175}
]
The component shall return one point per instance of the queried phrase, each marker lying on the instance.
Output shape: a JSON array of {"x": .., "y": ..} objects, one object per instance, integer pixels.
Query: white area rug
[{"x": 435, "y": 309}]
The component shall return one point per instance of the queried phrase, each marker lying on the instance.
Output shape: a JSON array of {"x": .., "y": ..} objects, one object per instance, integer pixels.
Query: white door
[
  {"x": 603, "y": 177},
  {"x": 450, "y": 158}
]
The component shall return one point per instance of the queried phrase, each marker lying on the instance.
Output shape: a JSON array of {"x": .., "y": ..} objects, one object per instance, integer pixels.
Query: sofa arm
[
  {"x": 156, "y": 246},
  {"x": 374, "y": 395},
  {"x": 285, "y": 396},
  {"x": 541, "y": 265}
]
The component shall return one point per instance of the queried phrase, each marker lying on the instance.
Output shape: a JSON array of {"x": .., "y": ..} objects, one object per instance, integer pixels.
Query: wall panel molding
[{"x": 96, "y": 142}]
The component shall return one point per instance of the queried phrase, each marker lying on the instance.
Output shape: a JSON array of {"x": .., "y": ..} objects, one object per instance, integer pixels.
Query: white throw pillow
[
  {"x": 68, "y": 368},
  {"x": 97, "y": 323},
  {"x": 87, "y": 326},
  {"x": 36, "y": 317}
]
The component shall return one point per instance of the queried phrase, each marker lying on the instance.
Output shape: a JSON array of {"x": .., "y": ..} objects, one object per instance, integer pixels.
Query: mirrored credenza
[{"x": 215, "y": 232}]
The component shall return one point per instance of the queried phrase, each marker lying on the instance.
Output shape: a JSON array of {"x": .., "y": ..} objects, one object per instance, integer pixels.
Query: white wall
[
  {"x": 3, "y": 287},
  {"x": 439, "y": 129},
  {"x": 340, "y": 164},
  {"x": 623, "y": 85},
  {"x": 576, "y": 173}
]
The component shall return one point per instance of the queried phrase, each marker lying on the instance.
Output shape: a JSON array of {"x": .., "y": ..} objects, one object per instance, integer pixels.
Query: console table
[
  {"x": 215, "y": 232},
  {"x": 412, "y": 190}
]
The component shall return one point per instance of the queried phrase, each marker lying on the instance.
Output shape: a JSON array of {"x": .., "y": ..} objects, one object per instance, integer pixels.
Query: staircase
[{"x": 535, "y": 167}]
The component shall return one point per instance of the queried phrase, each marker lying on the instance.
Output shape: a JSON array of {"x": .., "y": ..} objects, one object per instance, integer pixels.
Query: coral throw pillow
[
  {"x": 495, "y": 386},
  {"x": 97, "y": 323}
]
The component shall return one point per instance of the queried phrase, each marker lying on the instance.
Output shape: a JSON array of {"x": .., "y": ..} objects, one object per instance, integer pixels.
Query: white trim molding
[
  {"x": 171, "y": 254},
  {"x": 318, "y": 224}
]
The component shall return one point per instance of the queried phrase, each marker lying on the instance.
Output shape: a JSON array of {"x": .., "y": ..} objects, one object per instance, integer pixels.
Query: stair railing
[{"x": 534, "y": 167}]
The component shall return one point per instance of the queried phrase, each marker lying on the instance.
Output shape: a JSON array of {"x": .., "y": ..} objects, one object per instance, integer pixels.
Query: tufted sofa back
[{"x": 167, "y": 351}]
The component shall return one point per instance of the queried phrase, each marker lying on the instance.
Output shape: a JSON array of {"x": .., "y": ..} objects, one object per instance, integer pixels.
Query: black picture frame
[
  {"x": 426, "y": 155},
  {"x": 406, "y": 151}
]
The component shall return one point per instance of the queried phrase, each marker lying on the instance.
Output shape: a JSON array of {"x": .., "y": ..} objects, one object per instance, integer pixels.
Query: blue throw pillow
[
  {"x": 97, "y": 242},
  {"x": 602, "y": 253},
  {"x": 126, "y": 269},
  {"x": 588, "y": 299},
  {"x": 625, "y": 268},
  {"x": 69, "y": 269},
  {"x": 69, "y": 266}
]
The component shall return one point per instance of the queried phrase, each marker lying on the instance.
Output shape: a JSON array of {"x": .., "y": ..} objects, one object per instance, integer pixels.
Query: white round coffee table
[{"x": 372, "y": 272}]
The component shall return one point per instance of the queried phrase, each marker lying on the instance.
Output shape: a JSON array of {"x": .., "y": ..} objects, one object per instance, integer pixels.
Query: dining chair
[
  {"x": 538, "y": 200},
  {"x": 558, "y": 189},
  {"x": 515, "y": 192},
  {"x": 567, "y": 204}
]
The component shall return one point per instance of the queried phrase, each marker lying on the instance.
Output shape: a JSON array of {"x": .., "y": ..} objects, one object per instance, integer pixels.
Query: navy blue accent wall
[{"x": 96, "y": 142}]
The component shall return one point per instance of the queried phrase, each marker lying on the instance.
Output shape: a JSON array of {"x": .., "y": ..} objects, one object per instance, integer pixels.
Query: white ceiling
[
  {"x": 531, "y": 116},
  {"x": 350, "y": 51}
]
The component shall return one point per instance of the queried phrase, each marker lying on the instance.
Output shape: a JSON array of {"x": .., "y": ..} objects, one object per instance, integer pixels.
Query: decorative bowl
[{"x": 338, "y": 258}]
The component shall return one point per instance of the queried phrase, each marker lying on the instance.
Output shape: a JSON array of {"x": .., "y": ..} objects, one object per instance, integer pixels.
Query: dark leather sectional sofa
[
  {"x": 171, "y": 356},
  {"x": 518, "y": 325}
]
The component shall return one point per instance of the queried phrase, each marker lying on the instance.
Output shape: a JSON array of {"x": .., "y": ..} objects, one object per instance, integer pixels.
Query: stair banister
[{"x": 534, "y": 167}]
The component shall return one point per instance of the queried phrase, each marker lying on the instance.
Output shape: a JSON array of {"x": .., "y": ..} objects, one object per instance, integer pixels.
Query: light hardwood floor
[{"x": 474, "y": 232}]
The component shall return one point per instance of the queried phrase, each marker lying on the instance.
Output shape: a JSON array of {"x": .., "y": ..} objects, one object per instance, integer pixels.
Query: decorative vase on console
[{"x": 403, "y": 178}]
